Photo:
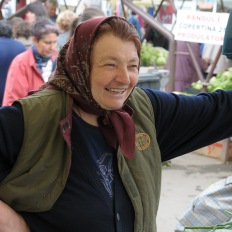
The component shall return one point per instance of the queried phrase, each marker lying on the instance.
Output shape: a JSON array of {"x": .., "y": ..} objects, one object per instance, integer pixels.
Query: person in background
[
  {"x": 6, "y": 9},
  {"x": 22, "y": 33},
  {"x": 14, "y": 23},
  {"x": 152, "y": 36},
  {"x": 29, "y": 70},
  {"x": 155, "y": 38},
  {"x": 209, "y": 52},
  {"x": 90, "y": 13},
  {"x": 9, "y": 49},
  {"x": 51, "y": 7},
  {"x": 73, "y": 27},
  {"x": 186, "y": 73},
  {"x": 134, "y": 20},
  {"x": 107, "y": 7},
  {"x": 64, "y": 21},
  {"x": 92, "y": 3},
  {"x": 35, "y": 10},
  {"x": 88, "y": 147},
  {"x": 141, "y": 20}
]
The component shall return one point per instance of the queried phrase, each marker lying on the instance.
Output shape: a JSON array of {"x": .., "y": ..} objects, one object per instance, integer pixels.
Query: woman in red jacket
[{"x": 31, "y": 69}]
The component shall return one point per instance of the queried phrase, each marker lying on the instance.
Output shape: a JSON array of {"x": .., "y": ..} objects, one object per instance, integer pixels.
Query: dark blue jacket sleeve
[
  {"x": 186, "y": 123},
  {"x": 183, "y": 124},
  {"x": 11, "y": 136}
]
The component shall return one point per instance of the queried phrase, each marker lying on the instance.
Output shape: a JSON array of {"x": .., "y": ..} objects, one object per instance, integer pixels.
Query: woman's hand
[{"x": 10, "y": 220}]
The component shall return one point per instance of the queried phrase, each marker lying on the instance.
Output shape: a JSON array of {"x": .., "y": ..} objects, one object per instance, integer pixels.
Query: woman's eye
[
  {"x": 110, "y": 65},
  {"x": 135, "y": 66}
]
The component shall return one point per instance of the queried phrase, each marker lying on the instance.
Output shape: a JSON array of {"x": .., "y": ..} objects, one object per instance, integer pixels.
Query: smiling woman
[
  {"x": 88, "y": 146},
  {"x": 114, "y": 55},
  {"x": 114, "y": 72}
]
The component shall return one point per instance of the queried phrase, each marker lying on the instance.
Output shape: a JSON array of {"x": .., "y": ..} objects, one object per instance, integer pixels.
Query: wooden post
[{"x": 225, "y": 150}]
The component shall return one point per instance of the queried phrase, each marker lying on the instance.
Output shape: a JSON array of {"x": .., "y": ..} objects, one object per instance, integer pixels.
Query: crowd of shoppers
[
  {"x": 35, "y": 10},
  {"x": 39, "y": 37},
  {"x": 22, "y": 33},
  {"x": 89, "y": 13},
  {"x": 67, "y": 20},
  {"x": 52, "y": 8},
  {"x": 64, "y": 21},
  {"x": 14, "y": 23}
]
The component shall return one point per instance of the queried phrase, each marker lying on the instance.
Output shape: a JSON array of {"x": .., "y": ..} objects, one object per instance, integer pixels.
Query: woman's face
[
  {"x": 114, "y": 71},
  {"x": 30, "y": 17},
  {"x": 46, "y": 45}
]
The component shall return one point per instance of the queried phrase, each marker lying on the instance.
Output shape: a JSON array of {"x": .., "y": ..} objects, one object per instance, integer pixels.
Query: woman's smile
[
  {"x": 114, "y": 71},
  {"x": 116, "y": 91}
]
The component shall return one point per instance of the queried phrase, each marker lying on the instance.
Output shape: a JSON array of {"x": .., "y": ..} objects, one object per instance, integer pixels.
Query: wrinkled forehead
[
  {"x": 84, "y": 37},
  {"x": 78, "y": 49}
]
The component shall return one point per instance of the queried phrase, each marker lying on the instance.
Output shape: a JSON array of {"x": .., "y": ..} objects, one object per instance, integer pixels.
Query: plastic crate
[{"x": 149, "y": 80}]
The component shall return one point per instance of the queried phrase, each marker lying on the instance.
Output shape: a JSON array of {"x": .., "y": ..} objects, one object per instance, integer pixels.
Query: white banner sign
[{"x": 201, "y": 27}]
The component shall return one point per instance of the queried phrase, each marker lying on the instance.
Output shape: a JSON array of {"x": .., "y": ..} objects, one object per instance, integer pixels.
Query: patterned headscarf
[{"x": 72, "y": 76}]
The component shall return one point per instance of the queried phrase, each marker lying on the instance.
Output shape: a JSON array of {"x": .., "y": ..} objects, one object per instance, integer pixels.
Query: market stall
[
  {"x": 204, "y": 28},
  {"x": 208, "y": 23}
]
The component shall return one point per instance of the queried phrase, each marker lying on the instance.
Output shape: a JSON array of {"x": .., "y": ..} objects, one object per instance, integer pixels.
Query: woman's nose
[
  {"x": 53, "y": 46},
  {"x": 123, "y": 75}
]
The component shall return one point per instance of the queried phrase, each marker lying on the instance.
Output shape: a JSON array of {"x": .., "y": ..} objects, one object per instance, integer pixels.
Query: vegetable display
[
  {"x": 153, "y": 56},
  {"x": 220, "y": 81}
]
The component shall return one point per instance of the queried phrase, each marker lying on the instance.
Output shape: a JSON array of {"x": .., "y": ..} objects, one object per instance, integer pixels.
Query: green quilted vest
[
  {"x": 41, "y": 170},
  {"x": 142, "y": 175}
]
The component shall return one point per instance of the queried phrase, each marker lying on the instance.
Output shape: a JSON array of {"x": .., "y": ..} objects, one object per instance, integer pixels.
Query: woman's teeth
[{"x": 116, "y": 90}]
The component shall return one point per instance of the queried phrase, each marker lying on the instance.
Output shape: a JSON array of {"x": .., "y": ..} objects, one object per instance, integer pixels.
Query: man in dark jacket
[{"x": 9, "y": 49}]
